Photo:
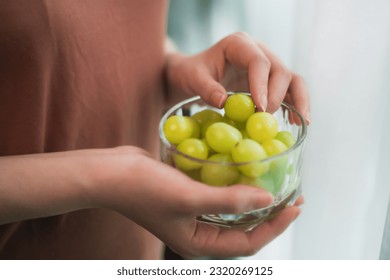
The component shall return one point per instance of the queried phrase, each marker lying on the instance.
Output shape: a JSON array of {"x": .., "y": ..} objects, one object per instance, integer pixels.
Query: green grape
[
  {"x": 250, "y": 181},
  {"x": 262, "y": 126},
  {"x": 222, "y": 137},
  {"x": 274, "y": 147},
  {"x": 245, "y": 180},
  {"x": 278, "y": 170},
  {"x": 290, "y": 169},
  {"x": 235, "y": 124},
  {"x": 252, "y": 152},
  {"x": 219, "y": 172},
  {"x": 207, "y": 115},
  {"x": 265, "y": 181},
  {"x": 278, "y": 166},
  {"x": 286, "y": 137},
  {"x": 239, "y": 107},
  {"x": 179, "y": 128},
  {"x": 195, "y": 127},
  {"x": 194, "y": 174},
  {"x": 194, "y": 148},
  {"x": 206, "y": 118},
  {"x": 244, "y": 134},
  {"x": 204, "y": 126},
  {"x": 209, "y": 150}
]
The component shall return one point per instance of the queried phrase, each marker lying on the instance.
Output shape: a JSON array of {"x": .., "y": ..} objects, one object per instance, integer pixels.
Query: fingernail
[
  {"x": 307, "y": 118},
  {"x": 218, "y": 98},
  {"x": 263, "y": 103}
]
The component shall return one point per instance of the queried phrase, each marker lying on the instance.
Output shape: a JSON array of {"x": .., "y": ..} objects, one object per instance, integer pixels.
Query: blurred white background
[{"x": 342, "y": 48}]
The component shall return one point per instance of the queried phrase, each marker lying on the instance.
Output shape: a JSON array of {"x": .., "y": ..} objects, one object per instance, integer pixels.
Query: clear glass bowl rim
[{"x": 172, "y": 148}]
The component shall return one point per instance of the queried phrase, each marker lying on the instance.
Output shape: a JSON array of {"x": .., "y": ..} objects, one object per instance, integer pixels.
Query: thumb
[
  {"x": 230, "y": 200},
  {"x": 208, "y": 88}
]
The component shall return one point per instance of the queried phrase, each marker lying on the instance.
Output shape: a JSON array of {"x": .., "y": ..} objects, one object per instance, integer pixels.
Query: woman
[{"x": 81, "y": 78}]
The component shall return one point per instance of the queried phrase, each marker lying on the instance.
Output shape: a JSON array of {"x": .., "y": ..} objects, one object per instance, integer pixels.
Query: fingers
[
  {"x": 279, "y": 80},
  {"x": 242, "y": 52},
  {"x": 217, "y": 242},
  {"x": 238, "y": 62},
  {"x": 285, "y": 85},
  {"x": 266, "y": 232},
  {"x": 258, "y": 80},
  {"x": 300, "y": 200},
  {"x": 269, "y": 80},
  {"x": 300, "y": 97},
  {"x": 213, "y": 241},
  {"x": 211, "y": 91},
  {"x": 229, "y": 200}
]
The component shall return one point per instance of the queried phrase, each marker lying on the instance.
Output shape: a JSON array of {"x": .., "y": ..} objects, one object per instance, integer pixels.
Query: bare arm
[
  {"x": 127, "y": 180},
  {"x": 41, "y": 185},
  {"x": 154, "y": 195}
]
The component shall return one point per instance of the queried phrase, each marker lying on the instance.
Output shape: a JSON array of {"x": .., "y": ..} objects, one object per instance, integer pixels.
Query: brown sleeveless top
[{"x": 74, "y": 75}]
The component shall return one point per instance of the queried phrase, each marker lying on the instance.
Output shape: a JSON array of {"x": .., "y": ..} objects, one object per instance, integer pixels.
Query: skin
[
  {"x": 238, "y": 63},
  {"x": 98, "y": 178}
]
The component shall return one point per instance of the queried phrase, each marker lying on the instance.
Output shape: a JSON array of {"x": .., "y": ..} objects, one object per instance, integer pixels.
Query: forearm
[
  {"x": 126, "y": 179},
  {"x": 41, "y": 185}
]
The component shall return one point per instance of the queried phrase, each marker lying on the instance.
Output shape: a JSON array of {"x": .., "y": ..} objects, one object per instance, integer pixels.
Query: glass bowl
[{"x": 282, "y": 172}]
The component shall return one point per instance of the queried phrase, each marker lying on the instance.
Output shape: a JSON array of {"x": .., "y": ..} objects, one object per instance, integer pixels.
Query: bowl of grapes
[{"x": 237, "y": 144}]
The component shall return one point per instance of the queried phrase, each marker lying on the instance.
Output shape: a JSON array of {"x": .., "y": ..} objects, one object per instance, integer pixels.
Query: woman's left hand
[{"x": 237, "y": 63}]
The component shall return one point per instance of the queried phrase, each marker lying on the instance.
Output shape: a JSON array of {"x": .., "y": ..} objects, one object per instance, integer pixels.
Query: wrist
[{"x": 116, "y": 176}]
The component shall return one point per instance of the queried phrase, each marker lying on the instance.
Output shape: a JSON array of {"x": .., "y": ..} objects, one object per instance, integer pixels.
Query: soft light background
[{"x": 342, "y": 48}]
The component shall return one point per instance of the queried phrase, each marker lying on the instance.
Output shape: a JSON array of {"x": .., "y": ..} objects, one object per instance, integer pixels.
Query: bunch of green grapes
[{"x": 222, "y": 150}]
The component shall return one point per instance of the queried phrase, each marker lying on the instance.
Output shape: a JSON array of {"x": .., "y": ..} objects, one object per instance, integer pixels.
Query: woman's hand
[
  {"x": 167, "y": 202},
  {"x": 153, "y": 194},
  {"x": 237, "y": 63}
]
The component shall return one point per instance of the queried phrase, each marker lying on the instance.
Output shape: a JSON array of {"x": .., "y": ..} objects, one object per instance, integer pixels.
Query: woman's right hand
[
  {"x": 153, "y": 194},
  {"x": 167, "y": 202}
]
